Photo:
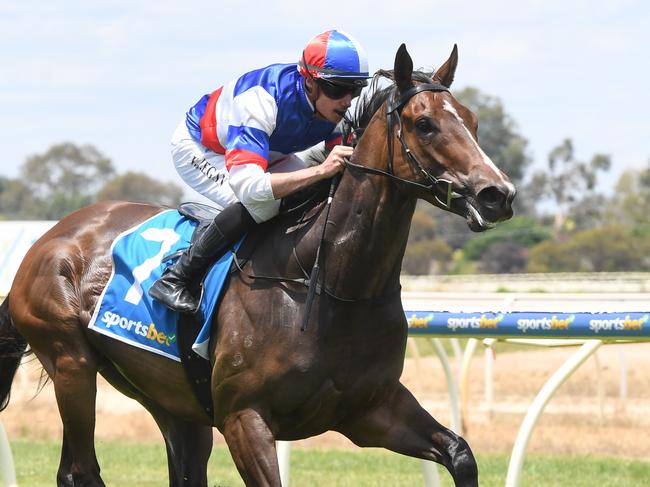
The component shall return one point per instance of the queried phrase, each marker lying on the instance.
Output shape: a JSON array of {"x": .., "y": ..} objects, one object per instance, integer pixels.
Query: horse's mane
[
  {"x": 365, "y": 108},
  {"x": 377, "y": 95}
]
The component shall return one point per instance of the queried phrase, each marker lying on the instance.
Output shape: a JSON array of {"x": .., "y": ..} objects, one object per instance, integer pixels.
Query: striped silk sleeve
[{"x": 251, "y": 123}]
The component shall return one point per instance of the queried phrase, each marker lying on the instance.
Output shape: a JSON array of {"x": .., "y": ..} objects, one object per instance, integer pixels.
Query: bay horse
[{"x": 270, "y": 379}]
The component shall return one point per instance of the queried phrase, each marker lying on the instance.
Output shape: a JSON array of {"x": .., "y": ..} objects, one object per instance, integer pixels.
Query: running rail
[
  {"x": 593, "y": 329},
  {"x": 8, "y": 473},
  {"x": 625, "y": 326}
]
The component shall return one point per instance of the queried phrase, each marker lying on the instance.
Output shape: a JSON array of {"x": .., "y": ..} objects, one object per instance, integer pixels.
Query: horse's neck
[{"x": 368, "y": 230}]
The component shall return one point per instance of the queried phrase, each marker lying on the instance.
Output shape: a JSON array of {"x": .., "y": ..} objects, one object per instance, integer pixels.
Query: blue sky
[{"x": 121, "y": 74}]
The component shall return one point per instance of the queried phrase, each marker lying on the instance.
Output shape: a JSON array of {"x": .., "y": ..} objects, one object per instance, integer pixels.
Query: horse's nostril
[{"x": 492, "y": 197}]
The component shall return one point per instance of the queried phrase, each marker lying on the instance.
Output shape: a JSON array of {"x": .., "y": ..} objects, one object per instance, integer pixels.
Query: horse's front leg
[
  {"x": 252, "y": 447},
  {"x": 400, "y": 424}
]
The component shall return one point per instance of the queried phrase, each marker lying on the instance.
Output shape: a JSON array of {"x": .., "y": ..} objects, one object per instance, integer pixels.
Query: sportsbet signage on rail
[{"x": 530, "y": 324}]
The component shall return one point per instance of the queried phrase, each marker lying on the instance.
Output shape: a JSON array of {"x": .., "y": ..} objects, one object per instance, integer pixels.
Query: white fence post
[
  {"x": 470, "y": 347},
  {"x": 622, "y": 388},
  {"x": 537, "y": 407},
  {"x": 283, "y": 451},
  {"x": 6, "y": 460},
  {"x": 489, "y": 377}
]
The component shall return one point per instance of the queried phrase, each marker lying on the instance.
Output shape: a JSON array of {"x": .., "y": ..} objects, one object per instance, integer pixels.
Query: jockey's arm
[
  {"x": 284, "y": 184},
  {"x": 250, "y": 183}
]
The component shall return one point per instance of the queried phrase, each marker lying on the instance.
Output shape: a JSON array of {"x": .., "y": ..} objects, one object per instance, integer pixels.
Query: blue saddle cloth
[{"x": 126, "y": 312}]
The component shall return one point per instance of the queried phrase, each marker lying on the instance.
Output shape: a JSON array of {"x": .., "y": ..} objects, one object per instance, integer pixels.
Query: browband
[{"x": 411, "y": 92}]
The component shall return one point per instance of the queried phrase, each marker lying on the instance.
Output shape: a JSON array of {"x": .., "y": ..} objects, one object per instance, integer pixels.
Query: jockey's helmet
[{"x": 334, "y": 56}]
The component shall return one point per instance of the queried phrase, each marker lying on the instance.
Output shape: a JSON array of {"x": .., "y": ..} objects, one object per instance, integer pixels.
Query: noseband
[{"x": 393, "y": 118}]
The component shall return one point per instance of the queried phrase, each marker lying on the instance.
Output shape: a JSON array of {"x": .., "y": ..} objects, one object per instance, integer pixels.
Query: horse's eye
[{"x": 425, "y": 126}]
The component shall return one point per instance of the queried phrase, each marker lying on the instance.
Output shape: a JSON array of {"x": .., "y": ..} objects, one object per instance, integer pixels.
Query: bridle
[
  {"x": 393, "y": 113},
  {"x": 394, "y": 108}
]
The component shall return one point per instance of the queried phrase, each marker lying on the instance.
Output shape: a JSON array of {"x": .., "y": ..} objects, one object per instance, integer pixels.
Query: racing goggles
[{"x": 337, "y": 90}]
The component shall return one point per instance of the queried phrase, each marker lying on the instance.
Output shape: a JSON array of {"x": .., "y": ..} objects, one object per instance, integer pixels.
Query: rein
[
  {"x": 315, "y": 270},
  {"x": 393, "y": 117}
]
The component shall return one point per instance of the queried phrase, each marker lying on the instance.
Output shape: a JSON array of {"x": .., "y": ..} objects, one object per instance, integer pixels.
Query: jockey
[{"x": 237, "y": 145}]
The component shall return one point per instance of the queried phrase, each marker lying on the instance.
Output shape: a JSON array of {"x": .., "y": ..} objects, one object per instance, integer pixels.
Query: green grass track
[{"x": 133, "y": 464}]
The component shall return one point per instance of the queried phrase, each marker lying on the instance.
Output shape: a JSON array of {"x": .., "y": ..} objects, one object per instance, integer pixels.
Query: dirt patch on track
[{"x": 575, "y": 420}]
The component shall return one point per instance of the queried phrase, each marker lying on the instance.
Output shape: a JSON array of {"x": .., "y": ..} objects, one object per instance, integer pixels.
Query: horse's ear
[
  {"x": 446, "y": 72},
  {"x": 403, "y": 70}
]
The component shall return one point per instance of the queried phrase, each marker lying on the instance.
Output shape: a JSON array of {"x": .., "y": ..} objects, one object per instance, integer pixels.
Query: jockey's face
[{"x": 327, "y": 108}]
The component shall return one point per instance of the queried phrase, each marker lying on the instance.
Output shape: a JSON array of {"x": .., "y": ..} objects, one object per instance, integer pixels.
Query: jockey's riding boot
[{"x": 174, "y": 288}]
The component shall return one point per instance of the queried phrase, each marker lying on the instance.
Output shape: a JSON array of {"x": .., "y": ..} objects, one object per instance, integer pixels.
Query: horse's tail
[{"x": 12, "y": 349}]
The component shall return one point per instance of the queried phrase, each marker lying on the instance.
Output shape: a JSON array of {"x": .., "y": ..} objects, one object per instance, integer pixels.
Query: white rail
[
  {"x": 537, "y": 407},
  {"x": 6, "y": 460}
]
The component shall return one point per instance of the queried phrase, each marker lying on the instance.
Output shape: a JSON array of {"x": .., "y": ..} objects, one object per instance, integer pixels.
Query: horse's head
[{"x": 435, "y": 144}]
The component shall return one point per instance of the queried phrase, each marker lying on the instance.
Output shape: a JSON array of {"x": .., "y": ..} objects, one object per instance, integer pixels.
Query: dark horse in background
[{"x": 270, "y": 380}]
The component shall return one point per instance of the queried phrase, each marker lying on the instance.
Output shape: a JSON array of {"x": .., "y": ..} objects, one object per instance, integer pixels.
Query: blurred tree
[
  {"x": 643, "y": 226},
  {"x": 450, "y": 227},
  {"x": 427, "y": 257},
  {"x": 645, "y": 180},
  {"x": 64, "y": 178},
  {"x": 423, "y": 226},
  {"x": 524, "y": 231},
  {"x": 67, "y": 168},
  {"x": 569, "y": 182},
  {"x": 550, "y": 256},
  {"x": 606, "y": 249},
  {"x": 503, "y": 249},
  {"x": 533, "y": 191},
  {"x": 135, "y": 186},
  {"x": 425, "y": 253},
  {"x": 16, "y": 200},
  {"x": 630, "y": 204},
  {"x": 61, "y": 204},
  {"x": 589, "y": 212},
  {"x": 505, "y": 257}
]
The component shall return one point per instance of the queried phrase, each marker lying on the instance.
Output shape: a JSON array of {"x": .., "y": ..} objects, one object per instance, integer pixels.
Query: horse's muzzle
[{"x": 495, "y": 202}]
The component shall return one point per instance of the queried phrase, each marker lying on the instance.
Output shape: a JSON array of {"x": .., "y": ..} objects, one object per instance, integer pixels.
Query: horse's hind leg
[
  {"x": 75, "y": 385},
  {"x": 252, "y": 447},
  {"x": 402, "y": 425},
  {"x": 73, "y": 370},
  {"x": 188, "y": 444},
  {"x": 188, "y": 449},
  {"x": 64, "y": 474}
]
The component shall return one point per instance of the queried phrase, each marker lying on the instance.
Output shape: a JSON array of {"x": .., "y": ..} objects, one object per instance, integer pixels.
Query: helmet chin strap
[
  {"x": 318, "y": 94},
  {"x": 314, "y": 86}
]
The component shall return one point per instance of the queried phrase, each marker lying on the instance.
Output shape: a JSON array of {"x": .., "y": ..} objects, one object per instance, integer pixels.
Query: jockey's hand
[
  {"x": 284, "y": 184},
  {"x": 334, "y": 162}
]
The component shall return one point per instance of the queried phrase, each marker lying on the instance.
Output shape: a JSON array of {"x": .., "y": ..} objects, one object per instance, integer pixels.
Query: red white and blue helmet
[{"x": 334, "y": 54}]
